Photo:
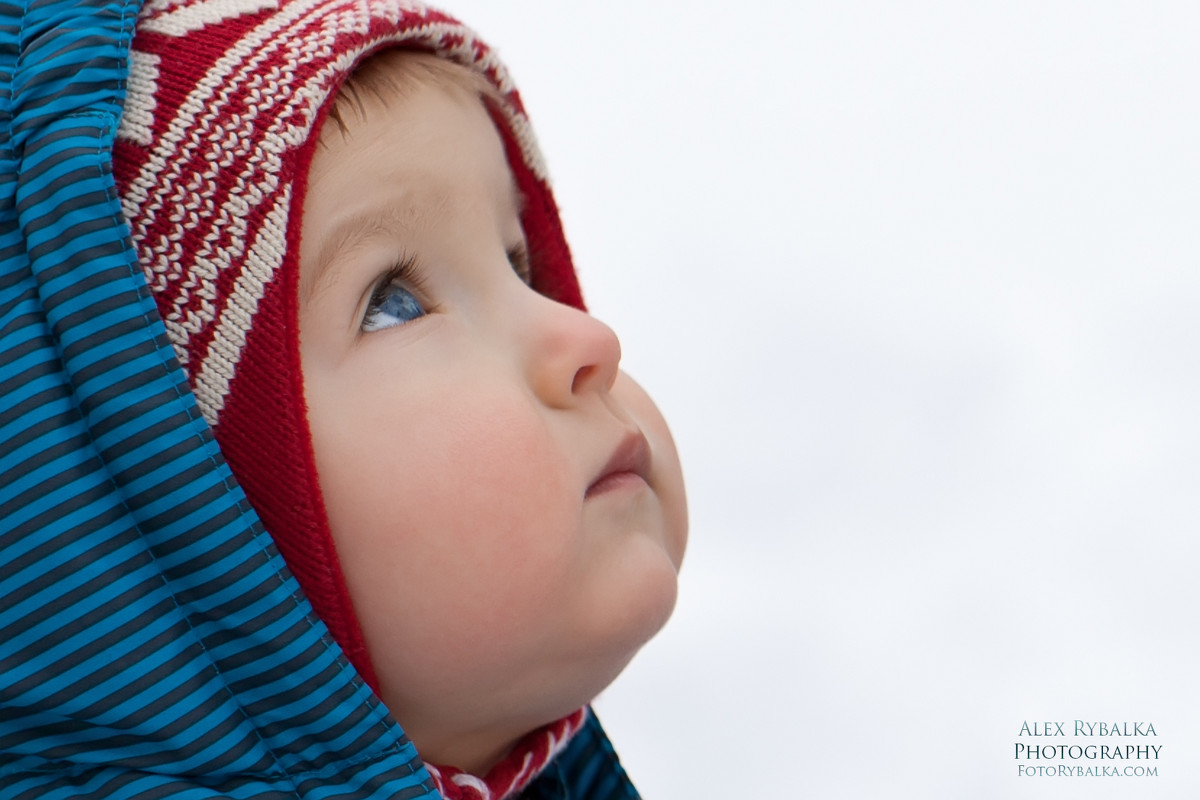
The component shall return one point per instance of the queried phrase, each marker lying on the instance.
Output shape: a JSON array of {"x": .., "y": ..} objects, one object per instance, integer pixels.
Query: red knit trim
[
  {"x": 334, "y": 606},
  {"x": 517, "y": 770}
]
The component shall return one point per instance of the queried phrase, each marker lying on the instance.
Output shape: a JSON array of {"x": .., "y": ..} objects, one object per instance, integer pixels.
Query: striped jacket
[{"x": 152, "y": 642}]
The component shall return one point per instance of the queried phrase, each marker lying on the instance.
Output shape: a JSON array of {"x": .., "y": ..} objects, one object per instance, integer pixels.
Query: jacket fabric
[{"x": 153, "y": 643}]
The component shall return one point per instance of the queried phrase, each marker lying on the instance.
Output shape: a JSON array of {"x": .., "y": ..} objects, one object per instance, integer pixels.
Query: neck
[{"x": 475, "y": 752}]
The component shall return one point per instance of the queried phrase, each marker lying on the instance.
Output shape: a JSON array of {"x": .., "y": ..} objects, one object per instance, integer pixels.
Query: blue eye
[{"x": 391, "y": 305}]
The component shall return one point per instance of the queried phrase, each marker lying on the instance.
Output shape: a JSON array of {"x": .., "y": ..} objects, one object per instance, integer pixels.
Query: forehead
[{"x": 400, "y": 165}]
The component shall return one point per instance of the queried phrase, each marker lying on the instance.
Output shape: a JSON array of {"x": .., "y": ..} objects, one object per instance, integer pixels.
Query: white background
[{"x": 917, "y": 286}]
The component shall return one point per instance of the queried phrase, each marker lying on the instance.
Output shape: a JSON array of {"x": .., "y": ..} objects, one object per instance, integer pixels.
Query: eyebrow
[{"x": 398, "y": 213}]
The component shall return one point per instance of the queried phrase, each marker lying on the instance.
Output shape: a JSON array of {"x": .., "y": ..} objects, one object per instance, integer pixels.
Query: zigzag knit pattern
[{"x": 222, "y": 105}]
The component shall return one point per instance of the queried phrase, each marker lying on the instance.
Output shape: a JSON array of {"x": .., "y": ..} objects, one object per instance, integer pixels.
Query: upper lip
[{"x": 631, "y": 455}]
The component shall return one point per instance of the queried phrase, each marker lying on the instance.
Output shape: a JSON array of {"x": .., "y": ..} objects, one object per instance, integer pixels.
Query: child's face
[{"x": 507, "y": 506}]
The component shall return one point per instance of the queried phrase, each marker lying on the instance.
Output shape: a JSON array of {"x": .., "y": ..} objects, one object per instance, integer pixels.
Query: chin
[{"x": 630, "y": 625}]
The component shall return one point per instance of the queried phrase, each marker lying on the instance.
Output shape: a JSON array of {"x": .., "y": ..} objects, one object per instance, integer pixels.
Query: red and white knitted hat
[{"x": 225, "y": 99}]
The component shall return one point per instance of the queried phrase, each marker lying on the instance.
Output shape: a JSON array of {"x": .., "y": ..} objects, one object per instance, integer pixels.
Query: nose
[{"x": 570, "y": 354}]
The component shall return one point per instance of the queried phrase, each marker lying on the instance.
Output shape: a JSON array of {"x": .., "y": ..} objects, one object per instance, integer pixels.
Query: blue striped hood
[{"x": 152, "y": 642}]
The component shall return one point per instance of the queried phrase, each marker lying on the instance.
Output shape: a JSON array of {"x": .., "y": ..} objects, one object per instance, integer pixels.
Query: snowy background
[{"x": 917, "y": 286}]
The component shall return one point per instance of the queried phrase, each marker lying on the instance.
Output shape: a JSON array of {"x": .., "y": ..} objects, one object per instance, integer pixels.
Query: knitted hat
[{"x": 225, "y": 99}]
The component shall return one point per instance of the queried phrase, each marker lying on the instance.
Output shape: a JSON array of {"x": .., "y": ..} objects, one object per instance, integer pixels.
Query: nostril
[
  {"x": 570, "y": 354},
  {"x": 582, "y": 376}
]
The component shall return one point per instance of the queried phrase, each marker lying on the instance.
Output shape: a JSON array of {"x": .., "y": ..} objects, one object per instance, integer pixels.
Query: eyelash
[
  {"x": 407, "y": 273},
  {"x": 518, "y": 257}
]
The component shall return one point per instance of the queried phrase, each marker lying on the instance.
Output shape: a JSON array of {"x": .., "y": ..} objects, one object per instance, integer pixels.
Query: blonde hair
[{"x": 395, "y": 73}]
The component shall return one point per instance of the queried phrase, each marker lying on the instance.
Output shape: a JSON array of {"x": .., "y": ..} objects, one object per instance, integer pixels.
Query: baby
[{"x": 348, "y": 231}]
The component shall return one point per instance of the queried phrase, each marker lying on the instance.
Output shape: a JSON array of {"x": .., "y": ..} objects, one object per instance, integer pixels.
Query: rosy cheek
[
  {"x": 468, "y": 511},
  {"x": 509, "y": 497}
]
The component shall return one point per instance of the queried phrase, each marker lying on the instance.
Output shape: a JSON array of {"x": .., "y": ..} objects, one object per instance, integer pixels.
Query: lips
[{"x": 628, "y": 466}]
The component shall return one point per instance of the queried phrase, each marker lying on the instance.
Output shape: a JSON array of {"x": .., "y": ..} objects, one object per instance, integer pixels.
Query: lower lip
[{"x": 617, "y": 481}]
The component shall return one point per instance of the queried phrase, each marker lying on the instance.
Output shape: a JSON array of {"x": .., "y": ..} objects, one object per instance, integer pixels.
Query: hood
[{"x": 153, "y": 642}]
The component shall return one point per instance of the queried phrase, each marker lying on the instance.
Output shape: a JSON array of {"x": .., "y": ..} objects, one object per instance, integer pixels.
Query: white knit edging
[
  {"x": 219, "y": 364},
  {"x": 193, "y": 16},
  {"x": 137, "y": 118}
]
